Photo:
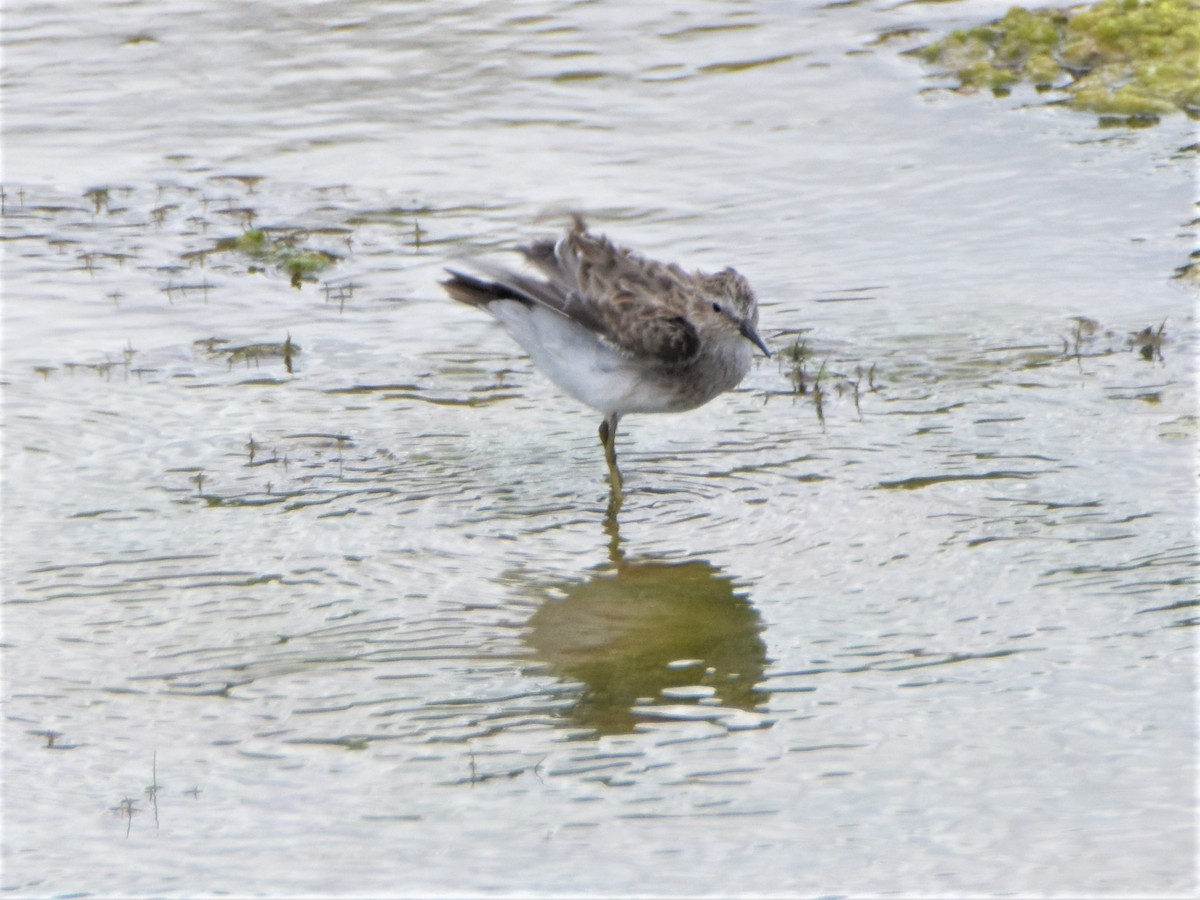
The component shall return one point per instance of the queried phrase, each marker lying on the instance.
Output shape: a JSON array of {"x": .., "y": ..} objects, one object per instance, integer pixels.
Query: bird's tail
[{"x": 477, "y": 291}]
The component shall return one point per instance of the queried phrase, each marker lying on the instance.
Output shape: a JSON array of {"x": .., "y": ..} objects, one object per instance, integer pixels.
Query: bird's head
[{"x": 732, "y": 298}]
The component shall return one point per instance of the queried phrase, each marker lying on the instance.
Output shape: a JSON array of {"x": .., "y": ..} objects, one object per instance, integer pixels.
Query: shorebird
[{"x": 620, "y": 332}]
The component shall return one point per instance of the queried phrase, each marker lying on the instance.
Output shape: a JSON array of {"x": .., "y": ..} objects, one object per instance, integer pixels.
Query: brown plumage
[{"x": 617, "y": 331}]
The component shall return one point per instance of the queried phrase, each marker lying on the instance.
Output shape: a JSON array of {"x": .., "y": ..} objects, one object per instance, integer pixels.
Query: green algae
[
  {"x": 1130, "y": 61},
  {"x": 283, "y": 253}
]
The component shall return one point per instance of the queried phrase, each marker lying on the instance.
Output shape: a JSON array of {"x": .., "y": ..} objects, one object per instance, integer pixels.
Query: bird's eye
[{"x": 716, "y": 307}]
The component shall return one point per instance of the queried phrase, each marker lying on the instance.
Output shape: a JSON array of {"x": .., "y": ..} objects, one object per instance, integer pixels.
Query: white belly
[{"x": 593, "y": 373}]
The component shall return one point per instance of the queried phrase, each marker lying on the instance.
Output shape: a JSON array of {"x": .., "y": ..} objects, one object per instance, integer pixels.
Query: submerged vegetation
[
  {"x": 1129, "y": 60},
  {"x": 794, "y": 362},
  {"x": 253, "y": 354},
  {"x": 283, "y": 253}
]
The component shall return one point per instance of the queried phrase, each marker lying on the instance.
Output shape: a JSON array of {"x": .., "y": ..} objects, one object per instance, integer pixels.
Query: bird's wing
[{"x": 635, "y": 305}]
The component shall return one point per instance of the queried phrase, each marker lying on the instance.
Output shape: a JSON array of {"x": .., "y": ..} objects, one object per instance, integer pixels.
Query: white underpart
[{"x": 579, "y": 362}]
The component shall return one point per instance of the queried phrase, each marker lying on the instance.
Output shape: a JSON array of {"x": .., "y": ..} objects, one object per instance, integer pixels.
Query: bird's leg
[
  {"x": 609, "y": 441},
  {"x": 616, "y": 496}
]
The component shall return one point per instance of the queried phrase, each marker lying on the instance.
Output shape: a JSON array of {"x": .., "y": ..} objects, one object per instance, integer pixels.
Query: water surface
[{"x": 310, "y": 590}]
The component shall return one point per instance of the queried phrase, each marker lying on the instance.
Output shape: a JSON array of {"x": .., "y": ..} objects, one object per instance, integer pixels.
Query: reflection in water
[{"x": 652, "y": 640}]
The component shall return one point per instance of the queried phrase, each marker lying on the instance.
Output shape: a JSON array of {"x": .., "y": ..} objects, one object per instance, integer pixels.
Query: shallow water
[{"x": 311, "y": 590}]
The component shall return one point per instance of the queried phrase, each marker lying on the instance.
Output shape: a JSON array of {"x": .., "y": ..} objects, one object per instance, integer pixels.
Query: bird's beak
[{"x": 751, "y": 335}]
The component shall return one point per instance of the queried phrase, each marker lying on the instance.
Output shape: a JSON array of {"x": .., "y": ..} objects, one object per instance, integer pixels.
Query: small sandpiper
[{"x": 619, "y": 332}]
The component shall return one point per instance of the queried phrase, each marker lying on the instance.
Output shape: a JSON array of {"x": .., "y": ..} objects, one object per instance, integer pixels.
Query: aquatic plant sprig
[
  {"x": 252, "y": 354},
  {"x": 794, "y": 364}
]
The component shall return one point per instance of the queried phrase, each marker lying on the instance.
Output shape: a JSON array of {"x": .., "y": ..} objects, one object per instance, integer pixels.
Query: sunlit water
[{"x": 909, "y": 611}]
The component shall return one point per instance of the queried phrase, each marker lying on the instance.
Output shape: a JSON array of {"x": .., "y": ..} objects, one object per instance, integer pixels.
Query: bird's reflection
[{"x": 638, "y": 628}]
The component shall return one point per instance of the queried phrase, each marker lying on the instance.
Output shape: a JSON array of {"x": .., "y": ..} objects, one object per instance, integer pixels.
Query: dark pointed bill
[{"x": 751, "y": 335}]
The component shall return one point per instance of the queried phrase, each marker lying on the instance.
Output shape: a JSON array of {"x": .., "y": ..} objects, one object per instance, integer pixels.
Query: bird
[{"x": 617, "y": 331}]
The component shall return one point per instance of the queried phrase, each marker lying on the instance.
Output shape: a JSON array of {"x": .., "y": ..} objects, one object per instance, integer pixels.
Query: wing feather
[{"x": 636, "y": 305}]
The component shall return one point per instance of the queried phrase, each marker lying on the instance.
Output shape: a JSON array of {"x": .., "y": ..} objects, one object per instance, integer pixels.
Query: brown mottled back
[{"x": 638, "y": 306}]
